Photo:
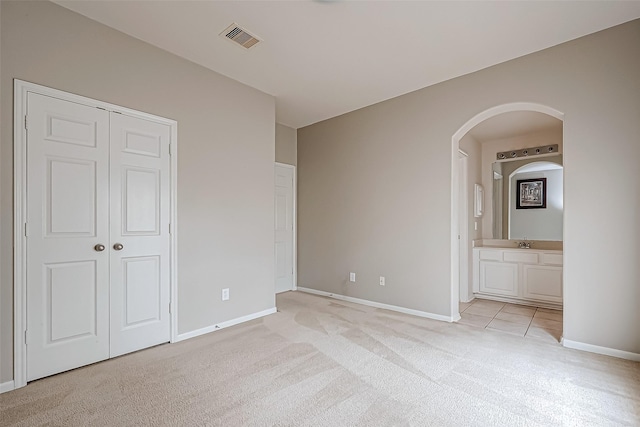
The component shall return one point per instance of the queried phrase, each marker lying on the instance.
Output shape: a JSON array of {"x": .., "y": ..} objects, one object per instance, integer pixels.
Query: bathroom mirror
[{"x": 514, "y": 222}]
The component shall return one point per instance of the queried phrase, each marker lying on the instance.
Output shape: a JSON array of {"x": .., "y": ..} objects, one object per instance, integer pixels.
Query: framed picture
[{"x": 532, "y": 193}]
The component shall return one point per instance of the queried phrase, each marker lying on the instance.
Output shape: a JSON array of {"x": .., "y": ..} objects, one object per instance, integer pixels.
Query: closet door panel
[
  {"x": 67, "y": 221},
  {"x": 139, "y": 234}
]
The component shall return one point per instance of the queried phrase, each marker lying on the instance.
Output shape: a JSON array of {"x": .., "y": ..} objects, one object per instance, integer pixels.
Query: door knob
[
  {"x": 118, "y": 246},
  {"x": 99, "y": 247}
]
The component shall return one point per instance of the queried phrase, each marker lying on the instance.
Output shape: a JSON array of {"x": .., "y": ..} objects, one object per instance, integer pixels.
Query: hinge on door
[
  {"x": 26, "y": 229},
  {"x": 169, "y": 228},
  {"x": 25, "y": 122},
  {"x": 25, "y": 337},
  {"x": 169, "y": 149},
  {"x": 169, "y": 307}
]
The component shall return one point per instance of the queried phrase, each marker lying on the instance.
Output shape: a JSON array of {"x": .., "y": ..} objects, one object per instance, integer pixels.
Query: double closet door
[{"x": 97, "y": 230}]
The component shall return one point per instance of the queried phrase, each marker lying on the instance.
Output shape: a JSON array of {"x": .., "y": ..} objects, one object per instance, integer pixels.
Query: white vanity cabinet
[{"x": 518, "y": 274}]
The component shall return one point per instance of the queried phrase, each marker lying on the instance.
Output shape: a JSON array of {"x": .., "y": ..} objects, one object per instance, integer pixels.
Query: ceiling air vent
[{"x": 240, "y": 36}]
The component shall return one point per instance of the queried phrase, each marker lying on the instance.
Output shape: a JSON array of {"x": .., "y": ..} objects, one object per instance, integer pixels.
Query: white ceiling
[{"x": 321, "y": 59}]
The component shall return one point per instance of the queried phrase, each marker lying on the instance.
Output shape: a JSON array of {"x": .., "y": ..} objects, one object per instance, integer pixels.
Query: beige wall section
[
  {"x": 286, "y": 145},
  {"x": 225, "y": 153},
  {"x": 375, "y": 193}
]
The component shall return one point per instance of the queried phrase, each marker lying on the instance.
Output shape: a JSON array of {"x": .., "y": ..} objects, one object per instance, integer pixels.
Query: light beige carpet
[{"x": 323, "y": 362}]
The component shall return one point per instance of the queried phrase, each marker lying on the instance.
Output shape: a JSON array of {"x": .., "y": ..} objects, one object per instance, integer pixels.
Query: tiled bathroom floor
[{"x": 531, "y": 322}]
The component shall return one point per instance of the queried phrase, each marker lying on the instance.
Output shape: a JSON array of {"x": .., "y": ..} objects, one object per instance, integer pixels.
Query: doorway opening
[{"x": 508, "y": 277}]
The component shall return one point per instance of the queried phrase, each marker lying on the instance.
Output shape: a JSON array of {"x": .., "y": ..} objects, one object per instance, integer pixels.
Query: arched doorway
[{"x": 455, "y": 182}]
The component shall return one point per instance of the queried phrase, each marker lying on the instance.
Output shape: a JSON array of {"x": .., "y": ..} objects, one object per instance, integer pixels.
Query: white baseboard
[
  {"x": 8, "y": 386},
  {"x": 379, "y": 305},
  {"x": 542, "y": 304},
  {"x": 601, "y": 350},
  {"x": 222, "y": 325}
]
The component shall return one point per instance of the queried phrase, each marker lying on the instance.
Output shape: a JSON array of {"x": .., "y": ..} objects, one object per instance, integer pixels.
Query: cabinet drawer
[
  {"x": 491, "y": 255},
  {"x": 555, "y": 259},
  {"x": 521, "y": 256}
]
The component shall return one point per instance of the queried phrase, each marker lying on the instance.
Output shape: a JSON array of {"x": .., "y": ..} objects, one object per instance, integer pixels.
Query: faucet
[{"x": 524, "y": 244}]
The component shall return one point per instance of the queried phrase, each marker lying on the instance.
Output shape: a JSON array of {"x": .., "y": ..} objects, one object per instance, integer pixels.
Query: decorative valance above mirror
[{"x": 527, "y": 152}]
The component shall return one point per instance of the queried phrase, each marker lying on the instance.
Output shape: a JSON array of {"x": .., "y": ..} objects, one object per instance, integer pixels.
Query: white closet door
[
  {"x": 139, "y": 234},
  {"x": 67, "y": 217},
  {"x": 97, "y": 229},
  {"x": 284, "y": 228}
]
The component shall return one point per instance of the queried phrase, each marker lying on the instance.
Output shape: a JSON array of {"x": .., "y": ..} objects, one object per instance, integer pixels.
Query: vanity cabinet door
[
  {"x": 499, "y": 278},
  {"x": 542, "y": 282}
]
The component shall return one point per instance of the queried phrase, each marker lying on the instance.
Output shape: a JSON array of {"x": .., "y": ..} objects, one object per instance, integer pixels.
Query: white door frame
[
  {"x": 295, "y": 222},
  {"x": 21, "y": 90},
  {"x": 463, "y": 198},
  {"x": 455, "y": 146}
]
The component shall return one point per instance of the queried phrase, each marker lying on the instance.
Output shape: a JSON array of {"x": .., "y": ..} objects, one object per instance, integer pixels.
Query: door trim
[
  {"x": 463, "y": 242},
  {"x": 21, "y": 90},
  {"x": 295, "y": 222}
]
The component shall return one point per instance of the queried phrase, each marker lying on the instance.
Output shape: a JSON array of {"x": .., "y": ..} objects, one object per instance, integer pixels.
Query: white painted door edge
[
  {"x": 295, "y": 221},
  {"x": 463, "y": 230},
  {"x": 21, "y": 89}
]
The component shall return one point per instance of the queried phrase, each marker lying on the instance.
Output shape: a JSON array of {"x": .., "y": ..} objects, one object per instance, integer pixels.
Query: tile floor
[{"x": 530, "y": 322}]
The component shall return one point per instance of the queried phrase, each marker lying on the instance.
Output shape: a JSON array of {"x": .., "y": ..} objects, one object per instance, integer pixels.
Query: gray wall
[
  {"x": 286, "y": 145},
  {"x": 375, "y": 193},
  {"x": 225, "y": 154}
]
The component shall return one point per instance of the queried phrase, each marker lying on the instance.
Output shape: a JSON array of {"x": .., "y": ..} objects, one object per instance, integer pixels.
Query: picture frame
[{"x": 531, "y": 193}]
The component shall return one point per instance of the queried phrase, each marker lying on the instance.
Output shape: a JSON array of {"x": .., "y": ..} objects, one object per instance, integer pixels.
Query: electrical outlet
[
  {"x": 381, "y": 280},
  {"x": 352, "y": 277},
  {"x": 225, "y": 294}
]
